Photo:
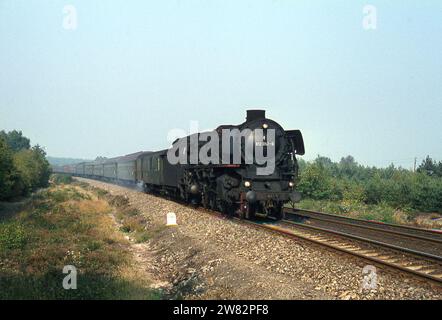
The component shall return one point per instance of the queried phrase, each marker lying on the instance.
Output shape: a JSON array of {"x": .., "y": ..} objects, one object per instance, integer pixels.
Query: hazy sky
[{"x": 133, "y": 70}]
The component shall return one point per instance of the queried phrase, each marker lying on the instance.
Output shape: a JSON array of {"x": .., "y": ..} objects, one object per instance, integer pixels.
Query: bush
[
  {"x": 33, "y": 167},
  {"x": 9, "y": 179},
  {"x": 349, "y": 182},
  {"x": 22, "y": 169},
  {"x": 15, "y": 140},
  {"x": 353, "y": 192},
  {"x": 315, "y": 182},
  {"x": 61, "y": 179},
  {"x": 426, "y": 193}
]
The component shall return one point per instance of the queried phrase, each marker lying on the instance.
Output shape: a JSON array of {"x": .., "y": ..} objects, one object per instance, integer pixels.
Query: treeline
[
  {"x": 55, "y": 161},
  {"x": 346, "y": 180},
  {"x": 22, "y": 168}
]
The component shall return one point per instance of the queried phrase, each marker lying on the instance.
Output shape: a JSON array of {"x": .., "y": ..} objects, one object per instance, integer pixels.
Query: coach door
[
  {"x": 139, "y": 173},
  {"x": 160, "y": 170}
]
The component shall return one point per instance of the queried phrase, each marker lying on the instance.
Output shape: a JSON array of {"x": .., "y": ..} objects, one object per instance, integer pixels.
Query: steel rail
[
  {"x": 367, "y": 254},
  {"x": 346, "y": 248},
  {"x": 410, "y": 235},
  {"x": 366, "y": 240},
  {"x": 369, "y": 225}
]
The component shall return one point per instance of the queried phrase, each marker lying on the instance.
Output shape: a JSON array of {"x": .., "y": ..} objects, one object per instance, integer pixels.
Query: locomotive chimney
[{"x": 255, "y": 114}]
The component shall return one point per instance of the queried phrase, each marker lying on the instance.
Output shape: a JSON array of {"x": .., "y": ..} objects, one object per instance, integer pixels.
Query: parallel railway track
[
  {"x": 365, "y": 240},
  {"x": 400, "y": 230},
  {"x": 417, "y": 263},
  {"x": 417, "y": 241},
  {"x": 394, "y": 258}
]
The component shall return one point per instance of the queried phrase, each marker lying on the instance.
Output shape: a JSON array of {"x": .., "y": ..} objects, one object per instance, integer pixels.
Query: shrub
[
  {"x": 61, "y": 179},
  {"x": 15, "y": 140},
  {"x": 33, "y": 168},
  {"x": 22, "y": 169},
  {"x": 352, "y": 183},
  {"x": 10, "y": 184},
  {"x": 315, "y": 182}
]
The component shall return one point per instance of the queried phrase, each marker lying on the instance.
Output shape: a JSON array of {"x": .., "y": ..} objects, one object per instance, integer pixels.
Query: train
[{"x": 216, "y": 181}]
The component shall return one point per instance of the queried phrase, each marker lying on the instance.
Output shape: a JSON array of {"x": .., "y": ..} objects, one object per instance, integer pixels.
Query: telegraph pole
[{"x": 414, "y": 167}]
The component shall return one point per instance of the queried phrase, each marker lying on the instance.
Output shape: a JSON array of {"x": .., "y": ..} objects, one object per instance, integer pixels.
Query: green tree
[
  {"x": 324, "y": 179},
  {"x": 15, "y": 140},
  {"x": 22, "y": 169},
  {"x": 44, "y": 168},
  {"x": 315, "y": 182},
  {"x": 348, "y": 167},
  {"x": 6, "y": 170},
  {"x": 439, "y": 169},
  {"x": 426, "y": 194},
  {"x": 429, "y": 167},
  {"x": 302, "y": 164},
  {"x": 33, "y": 167}
]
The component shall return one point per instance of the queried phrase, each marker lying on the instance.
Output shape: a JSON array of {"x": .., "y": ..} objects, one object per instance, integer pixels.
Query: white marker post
[{"x": 171, "y": 219}]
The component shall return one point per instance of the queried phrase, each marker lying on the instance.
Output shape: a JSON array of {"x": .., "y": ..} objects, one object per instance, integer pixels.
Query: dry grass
[
  {"x": 129, "y": 219},
  {"x": 67, "y": 225}
]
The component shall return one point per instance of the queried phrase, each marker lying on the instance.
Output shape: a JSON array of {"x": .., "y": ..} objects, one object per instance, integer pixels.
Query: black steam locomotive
[{"x": 218, "y": 182}]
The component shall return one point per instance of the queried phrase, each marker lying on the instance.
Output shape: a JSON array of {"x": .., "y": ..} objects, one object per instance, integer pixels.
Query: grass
[
  {"x": 133, "y": 223},
  {"x": 66, "y": 225},
  {"x": 130, "y": 219},
  {"x": 380, "y": 212},
  {"x": 12, "y": 236},
  {"x": 61, "y": 179}
]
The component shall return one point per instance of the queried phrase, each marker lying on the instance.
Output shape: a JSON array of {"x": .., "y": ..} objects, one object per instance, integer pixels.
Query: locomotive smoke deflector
[{"x": 295, "y": 138}]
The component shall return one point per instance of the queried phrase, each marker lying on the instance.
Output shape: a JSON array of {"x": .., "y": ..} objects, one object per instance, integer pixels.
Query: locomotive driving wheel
[
  {"x": 274, "y": 210},
  {"x": 278, "y": 212},
  {"x": 205, "y": 199},
  {"x": 208, "y": 199},
  {"x": 212, "y": 202},
  {"x": 225, "y": 207}
]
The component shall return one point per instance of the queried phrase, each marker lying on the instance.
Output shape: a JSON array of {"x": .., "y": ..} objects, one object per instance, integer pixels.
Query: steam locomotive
[{"x": 223, "y": 180}]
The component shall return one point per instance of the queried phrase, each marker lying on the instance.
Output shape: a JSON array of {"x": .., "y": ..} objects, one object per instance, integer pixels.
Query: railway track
[
  {"x": 429, "y": 235},
  {"x": 416, "y": 263},
  {"x": 410, "y": 240},
  {"x": 351, "y": 236},
  {"x": 421, "y": 264}
]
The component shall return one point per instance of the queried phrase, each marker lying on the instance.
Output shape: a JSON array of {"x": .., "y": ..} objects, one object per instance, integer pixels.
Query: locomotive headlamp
[
  {"x": 265, "y": 125},
  {"x": 291, "y": 184},
  {"x": 247, "y": 184}
]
